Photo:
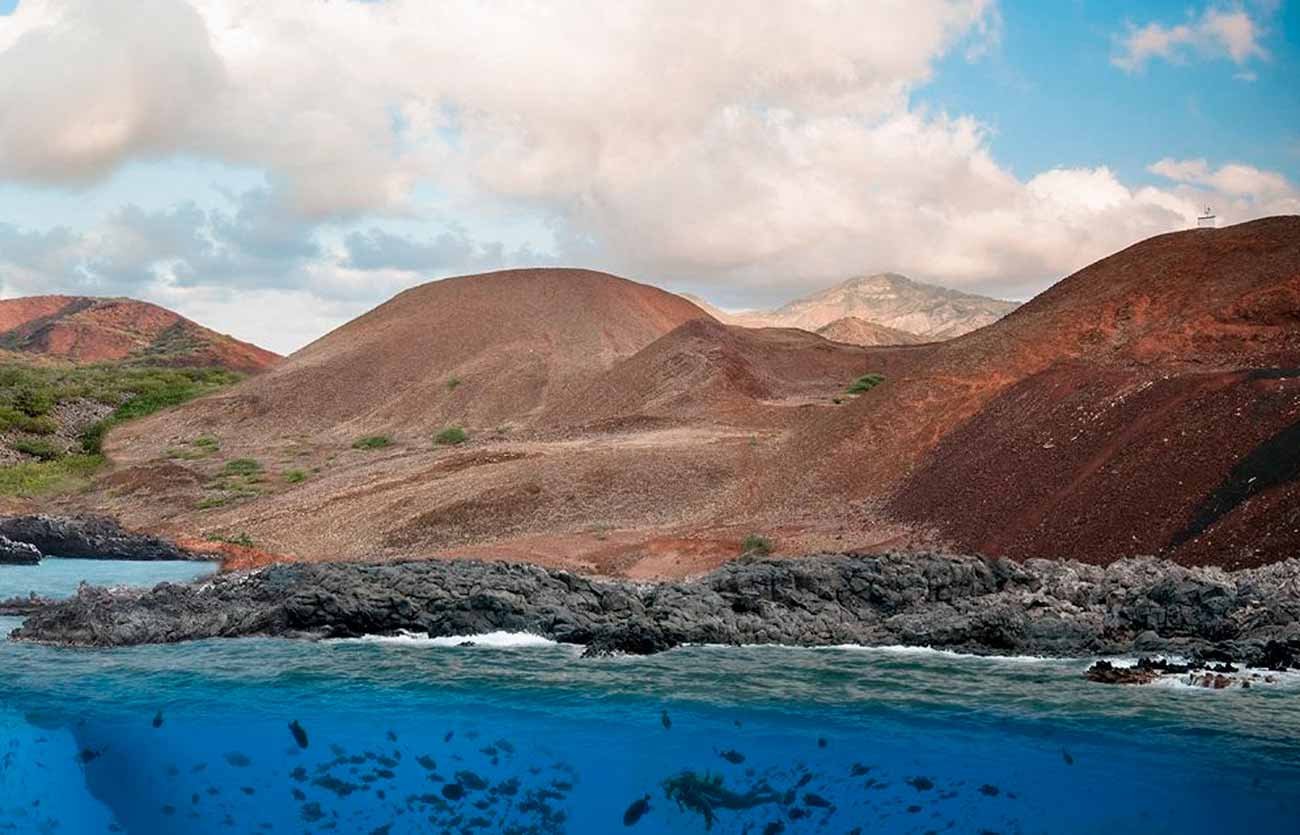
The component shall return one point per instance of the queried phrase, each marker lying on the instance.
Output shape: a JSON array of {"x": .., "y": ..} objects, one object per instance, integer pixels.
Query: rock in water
[
  {"x": 962, "y": 603},
  {"x": 18, "y": 553}
]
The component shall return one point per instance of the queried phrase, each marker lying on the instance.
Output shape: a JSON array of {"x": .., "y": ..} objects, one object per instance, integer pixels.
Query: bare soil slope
[
  {"x": 855, "y": 330},
  {"x": 89, "y": 330},
  {"x": 477, "y": 351},
  {"x": 1103, "y": 418}
]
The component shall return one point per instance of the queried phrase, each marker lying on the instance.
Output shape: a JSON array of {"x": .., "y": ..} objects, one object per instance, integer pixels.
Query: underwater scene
[{"x": 509, "y": 733}]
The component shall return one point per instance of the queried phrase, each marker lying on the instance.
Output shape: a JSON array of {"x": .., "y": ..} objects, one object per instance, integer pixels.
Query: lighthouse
[{"x": 1207, "y": 220}]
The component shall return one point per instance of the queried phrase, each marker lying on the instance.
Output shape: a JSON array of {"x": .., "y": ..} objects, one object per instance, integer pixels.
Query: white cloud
[
  {"x": 1233, "y": 179},
  {"x": 669, "y": 140},
  {"x": 1232, "y": 32}
]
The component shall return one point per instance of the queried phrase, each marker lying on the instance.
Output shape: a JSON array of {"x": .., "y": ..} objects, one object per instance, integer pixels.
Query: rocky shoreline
[
  {"x": 966, "y": 604},
  {"x": 25, "y": 540}
]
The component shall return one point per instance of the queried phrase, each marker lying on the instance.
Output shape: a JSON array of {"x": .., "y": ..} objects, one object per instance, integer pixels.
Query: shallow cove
[{"x": 890, "y": 740}]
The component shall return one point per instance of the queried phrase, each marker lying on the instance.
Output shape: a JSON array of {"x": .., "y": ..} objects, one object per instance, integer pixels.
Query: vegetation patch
[
  {"x": 451, "y": 436},
  {"x": 295, "y": 476},
  {"x": 865, "y": 383},
  {"x": 40, "y": 448},
  {"x": 756, "y": 546},
  {"x": 41, "y": 478},
  {"x": 30, "y": 395},
  {"x": 452, "y": 383},
  {"x": 372, "y": 442},
  {"x": 242, "y": 467}
]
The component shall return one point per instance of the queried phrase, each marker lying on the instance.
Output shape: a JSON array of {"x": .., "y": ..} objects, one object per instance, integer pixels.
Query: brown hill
[
  {"x": 477, "y": 351},
  {"x": 1103, "y": 418},
  {"x": 705, "y": 371},
  {"x": 89, "y": 330},
  {"x": 857, "y": 331},
  {"x": 1148, "y": 403}
]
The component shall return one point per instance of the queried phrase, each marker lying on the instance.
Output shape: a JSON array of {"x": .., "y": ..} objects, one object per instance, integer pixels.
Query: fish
[
  {"x": 311, "y": 812},
  {"x": 392, "y": 737},
  {"x": 665, "y": 720},
  {"x": 298, "y": 795},
  {"x": 804, "y": 780},
  {"x": 453, "y": 791},
  {"x": 237, "y": 759},
  {"x": 299, "y": 774},
  {"x": 921, "y": 784},
  {"x": 88, "y": 755},
  {"x": 158, "y": 719},
  {"x": 505, "y": 745},
  {"x": 732, "y": 756},
  {"x": 1065, "y": 755},
  {"x": 989, "y": 790},
  {"x": 471, "y": 781},
  {"x": 448, "y": 737},
  {"x": 816, "y": 801},
  {"x": 774, "y": 828},
  {"x": 248, "y": 790},
  {"x": 859, "y": 770},
  {"x": 821, "y": 742},
  {"x": 299, "y": 734},
  {"x": 636, "y": 811},
  {"x": 381, "y": 830},
  {"x": 426, "y": 762}
]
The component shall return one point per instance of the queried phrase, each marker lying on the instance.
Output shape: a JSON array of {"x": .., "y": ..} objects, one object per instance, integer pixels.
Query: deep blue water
[{"x": 536, "y": 740}]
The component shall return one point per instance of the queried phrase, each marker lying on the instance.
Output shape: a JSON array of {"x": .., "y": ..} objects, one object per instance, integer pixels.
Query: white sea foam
[{"x": 496, "y": 640}]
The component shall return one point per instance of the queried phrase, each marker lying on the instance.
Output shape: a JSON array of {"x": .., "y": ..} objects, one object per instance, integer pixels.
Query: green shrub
[
  {"x": 452, "y": 383},
  {"x": 242, "y": 466},
  {"x": 11, "y": 418},
  {"x": 451, "y": 436},
  {"x": 756, "y": 546},
  {"x": 210, "y": 502},
  {"x": 865, "y": 383},
  {"x": 39, "y": 448},
  {"x": 295, "y": 476},
  {"x": 38, "y": 478},
  {"x": 206, "y": 442},
  {"x": 372, "y": 442},
  {"x": 33, "y": 400}
]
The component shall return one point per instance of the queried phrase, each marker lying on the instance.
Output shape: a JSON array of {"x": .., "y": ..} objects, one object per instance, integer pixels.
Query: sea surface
[{"x": 515, "y": 734}]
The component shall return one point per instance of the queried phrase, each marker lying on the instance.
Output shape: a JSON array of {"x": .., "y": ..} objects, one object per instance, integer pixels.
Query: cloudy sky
[{"x": 273, "y": 169}]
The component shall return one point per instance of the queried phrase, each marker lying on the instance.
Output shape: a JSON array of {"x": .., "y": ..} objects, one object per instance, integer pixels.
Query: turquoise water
[{"x": 410, "y": 735}]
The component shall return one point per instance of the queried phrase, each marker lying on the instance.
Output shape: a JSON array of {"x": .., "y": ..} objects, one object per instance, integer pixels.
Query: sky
[{"x": 275, "y": 169}]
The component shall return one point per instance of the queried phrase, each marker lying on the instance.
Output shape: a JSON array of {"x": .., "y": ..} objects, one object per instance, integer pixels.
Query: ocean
[{"x": 514, "y": 734}]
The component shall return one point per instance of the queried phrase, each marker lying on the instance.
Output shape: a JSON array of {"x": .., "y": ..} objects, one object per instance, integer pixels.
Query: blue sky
[
  {"x": 274, "y": 171},
  {"x": 1053, "y": 99}
]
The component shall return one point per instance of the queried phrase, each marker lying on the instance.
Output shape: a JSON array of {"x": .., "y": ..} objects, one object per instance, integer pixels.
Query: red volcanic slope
[
  {"x": 477, "y": 351},
  {"x": 88, "y": 330},
  {"x": 1130, "y": 409}
]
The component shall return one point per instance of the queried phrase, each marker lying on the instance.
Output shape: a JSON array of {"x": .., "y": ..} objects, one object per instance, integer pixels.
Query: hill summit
[{"x": 84, "y": 329}]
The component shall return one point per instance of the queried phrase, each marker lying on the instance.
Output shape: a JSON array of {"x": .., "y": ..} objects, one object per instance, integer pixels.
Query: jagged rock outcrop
[
  {"x": 18, "y": 553},
  {"x": 970, "y": 604},
  {"x": 88, "y": 537}
]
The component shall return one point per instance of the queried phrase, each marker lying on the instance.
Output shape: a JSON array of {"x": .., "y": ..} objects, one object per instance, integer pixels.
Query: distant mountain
[
  {"x": 887, "y": 299},
  {"x": 84, "y": 329},
  {"x": 856, "y": 331}
]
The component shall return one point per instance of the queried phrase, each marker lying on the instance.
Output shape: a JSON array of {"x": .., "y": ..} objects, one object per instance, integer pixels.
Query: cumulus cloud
[
  {"x": 669, "y": 140},
  {"x": 1232, "y": 32}
]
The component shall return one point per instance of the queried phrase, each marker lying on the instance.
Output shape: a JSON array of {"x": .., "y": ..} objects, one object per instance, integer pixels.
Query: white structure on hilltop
[{"x": 1207, "y": 220}]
